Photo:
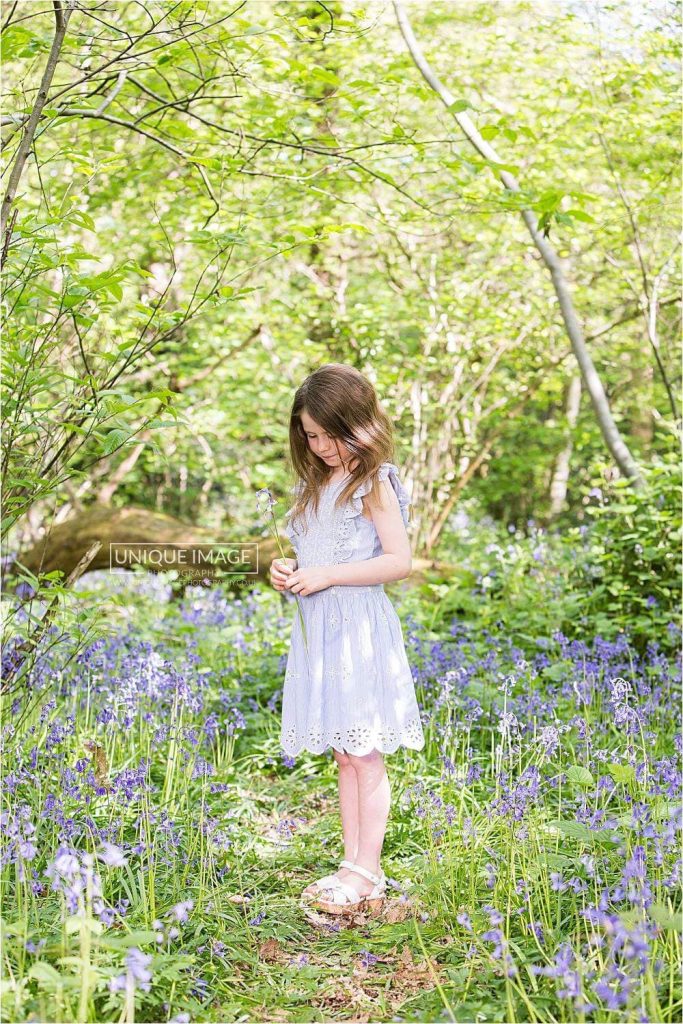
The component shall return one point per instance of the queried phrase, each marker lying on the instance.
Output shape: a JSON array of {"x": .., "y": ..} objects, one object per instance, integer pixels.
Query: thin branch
[
  {"x": 627, "y": 317},
  {"x": 62, "y": 16},
  {"x": 8, "y": 19},
  {"x": 120, "y": 81}
]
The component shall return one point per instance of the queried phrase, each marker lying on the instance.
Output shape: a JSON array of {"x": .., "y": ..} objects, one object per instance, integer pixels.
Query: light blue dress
[{"x": 352, "y": 689}]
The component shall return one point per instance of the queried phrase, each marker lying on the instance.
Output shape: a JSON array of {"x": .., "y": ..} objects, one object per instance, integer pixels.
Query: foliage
[
  {"x": 218, "y": 199},
  {"x": 631, "y": 575},
  {"x": 619, "y": 573},
  {"x": 203, "y": 222},
  {"x": 516, "y": 581},
  {"x": 157, "y": 841}
]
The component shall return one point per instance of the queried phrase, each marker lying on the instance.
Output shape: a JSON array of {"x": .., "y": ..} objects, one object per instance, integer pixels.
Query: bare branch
[{"x": 62, "y": 15}]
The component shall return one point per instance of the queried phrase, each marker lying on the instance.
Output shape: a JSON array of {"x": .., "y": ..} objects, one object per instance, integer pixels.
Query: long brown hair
[{"x": 345, "y": 404}]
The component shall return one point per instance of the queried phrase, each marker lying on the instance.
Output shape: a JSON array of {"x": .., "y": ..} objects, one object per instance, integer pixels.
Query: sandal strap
[
  {"x": 375, "y": 879},
  {"x": 347, "y": 864},
  {"x": 352, "y": 895},
  {"x": 320, "y": 882},
  {"x": 343, "y": 888}
]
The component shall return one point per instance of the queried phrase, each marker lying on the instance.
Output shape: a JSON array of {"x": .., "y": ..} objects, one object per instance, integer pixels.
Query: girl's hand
[
  {"x": 280, "y": 568},
  {"x": 309, "y": 580}
]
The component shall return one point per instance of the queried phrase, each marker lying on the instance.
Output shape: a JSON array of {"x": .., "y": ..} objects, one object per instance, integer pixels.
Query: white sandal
[
  {"x": 325, "y": 882},
  {"x": 344, "y": 897}
]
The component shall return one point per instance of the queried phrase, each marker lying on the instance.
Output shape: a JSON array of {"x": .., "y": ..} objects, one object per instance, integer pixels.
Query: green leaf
[
  {"x": 559, "y": 861},
  {"x": 580, "y": 776},
  {"x": 116, "y": 290},
  {"x": 84, "y": 220},
  {"x": 74, "y": 923},
  {"x": 19, "y": 41},
  {"x": 214, "y": 164},
  {"x": 113, "y": 440},
  {"x": 623, "y": 773},
  {"x": 323, "y": 75},
  {"x": 555, "y": 672},
  {"x": 42, "y": 971},
  {"x": 138, "y": 938},
  {"x": 459, "y": 105},
  {"x": 665, "y": 919},
  {"x": 580, "y": 215},
  {"x": 577, "y": 830}
]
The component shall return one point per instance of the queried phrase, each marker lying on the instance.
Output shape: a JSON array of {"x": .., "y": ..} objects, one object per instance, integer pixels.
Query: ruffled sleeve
[{"x": 386, "y": 470}]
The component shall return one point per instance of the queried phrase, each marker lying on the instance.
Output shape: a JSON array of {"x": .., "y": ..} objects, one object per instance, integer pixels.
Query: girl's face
[{"x": 333, "y": 452}]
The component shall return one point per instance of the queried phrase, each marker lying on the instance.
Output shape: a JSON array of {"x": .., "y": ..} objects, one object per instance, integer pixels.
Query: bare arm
[{"x": 396, "y": 561}]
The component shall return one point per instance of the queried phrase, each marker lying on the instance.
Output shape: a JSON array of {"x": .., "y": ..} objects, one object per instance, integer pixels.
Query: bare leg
[
  {"x": 348, "y": 805},
  {"x": 374, "y": 802}
]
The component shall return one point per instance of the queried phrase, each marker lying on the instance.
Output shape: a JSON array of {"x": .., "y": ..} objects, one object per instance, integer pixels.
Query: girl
[{"x": 347, "y": 684}]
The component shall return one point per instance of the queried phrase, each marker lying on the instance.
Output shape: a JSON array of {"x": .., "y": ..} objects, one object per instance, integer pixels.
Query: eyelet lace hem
[
  {"x": 343, "y": 546},
  {"x": 356, "y": 739}
]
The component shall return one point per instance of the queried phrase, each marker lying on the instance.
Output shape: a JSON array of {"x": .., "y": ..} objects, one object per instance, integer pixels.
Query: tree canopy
[{"x": 219, "y": 197}]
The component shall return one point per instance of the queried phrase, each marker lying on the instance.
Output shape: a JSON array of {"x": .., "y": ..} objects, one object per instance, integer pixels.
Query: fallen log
[
  {"x": 121, "y": 532},
  {"x": 153, "y": 540}
]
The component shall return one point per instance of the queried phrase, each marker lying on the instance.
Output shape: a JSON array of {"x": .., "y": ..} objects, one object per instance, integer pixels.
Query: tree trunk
[
  {"x": 560, "y": 478},
  {"x": 610, "y": 431}
]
